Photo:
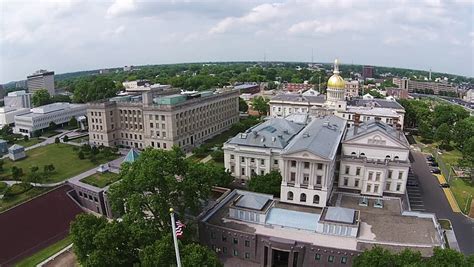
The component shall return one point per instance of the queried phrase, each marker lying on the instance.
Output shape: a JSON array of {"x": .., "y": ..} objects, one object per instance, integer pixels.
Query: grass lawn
[
  {"x": 62, "y": 156},
  {"x": 101, "y": 179},
  {"x": 463, "y": 190},
  {"x": 45, "y": 253},
  {"x": 30, "y": 142},
  {"x": 3, "y": 186},
  {"x": 445, "y": 224},
  {"x": 17, "y": 199}
]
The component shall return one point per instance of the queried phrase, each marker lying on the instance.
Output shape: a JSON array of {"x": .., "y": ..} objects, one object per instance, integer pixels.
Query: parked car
[
  {"x": 430, "y": 158},
  {"x": 434, "y": 164},
  {"x": 444, "y": 185},
  {"x": 436, "y": 170}
]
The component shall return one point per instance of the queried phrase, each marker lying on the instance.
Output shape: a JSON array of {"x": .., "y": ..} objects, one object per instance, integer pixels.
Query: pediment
[
  {"x": 305, "y": 155},
  {"x": 376, "y": 138}
]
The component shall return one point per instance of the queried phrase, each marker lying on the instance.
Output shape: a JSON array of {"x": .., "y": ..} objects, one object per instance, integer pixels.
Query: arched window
[
  {"x": 387, "y": 157},
  {"x": 303, "y": 197},
  {"x": 290, "y": 195},
  {"x": 316, "y": 199},
  {"x": 396, "y": 158},
  {"x": 362, "y": 154},
  {"x": 353, "y": 153}
]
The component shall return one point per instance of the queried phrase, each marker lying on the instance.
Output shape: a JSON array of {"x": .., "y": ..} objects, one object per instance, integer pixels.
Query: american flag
[{"x": 180, "y": 228}]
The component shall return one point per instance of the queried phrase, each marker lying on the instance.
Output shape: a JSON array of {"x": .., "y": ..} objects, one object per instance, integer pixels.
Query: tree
[
  {"x": 41, "y": 97},
  {"x": 56, "y": 140},
  {"x": 426, "y": 130},
  {"x": 48, "y": 169},
  {"x": 447, "y": 257},
  {"x": 268, "y": 183},
  {"x": 243, "y": 107},
  {"x": 73, "y": 122},
  {"x": 375, "y": 257},
  {"x": 467, "y": 159},
  {"x": 197, "y": 255},
  {"x": 65, "y": 138},
  {"x": 261, "y": 105},
  {"x": 1, "y": 165},
  {"x": 83, "y": 231},
  {"x": 218, "y": 155},
  {"x": 33, "y": 176},
  {"x": 16, "y": 172},
  {"x": 375, "y": 94},
  {"x": 462, "y": 131},
  {"x": 80, "y": 154},
  {"x": 94, "y": 88},
  {"x": 26, "y": 138},
  {"x": 408, "y": 258},
  {"x": 443, "y": 134}
]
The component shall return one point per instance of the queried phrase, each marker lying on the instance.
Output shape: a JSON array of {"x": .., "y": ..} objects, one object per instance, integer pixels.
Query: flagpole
[{"x": 175, "y": 238}]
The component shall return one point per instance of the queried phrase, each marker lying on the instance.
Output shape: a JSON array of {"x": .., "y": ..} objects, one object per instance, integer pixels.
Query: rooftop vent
[
  {"x": 305, "y": 135},
  {"x": 273, "y": 138},
  {"x": 243, "y": 136}
]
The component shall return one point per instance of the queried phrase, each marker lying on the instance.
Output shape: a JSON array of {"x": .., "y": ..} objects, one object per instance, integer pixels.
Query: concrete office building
[
  {"x": 258, "y": 229},
  {"x": 42, "y": 79},
  {"x": 368, "y": 72},
  {"x": 423, "y": 86},
  {"x": 374, "y": 160},
  {"x": 162, "y": 119},
  {"x": 352, "y": 89},
  {"x": 7, "y": 114},
  {"x": 39, "y": 118},
  {"x": 18, "y": 99}
]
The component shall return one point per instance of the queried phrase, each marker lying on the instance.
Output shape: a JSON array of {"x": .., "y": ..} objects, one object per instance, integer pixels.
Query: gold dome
[{"x": 336, "y": 81}]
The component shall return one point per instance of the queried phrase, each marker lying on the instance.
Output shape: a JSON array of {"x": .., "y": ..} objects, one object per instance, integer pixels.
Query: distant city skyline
[{"x": 76, "y": 35}]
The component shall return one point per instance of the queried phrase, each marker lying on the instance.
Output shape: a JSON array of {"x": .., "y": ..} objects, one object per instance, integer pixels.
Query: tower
[{"x": 335, "y": 86}]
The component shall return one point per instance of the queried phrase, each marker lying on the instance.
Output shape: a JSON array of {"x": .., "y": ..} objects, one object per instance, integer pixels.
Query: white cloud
[{"x": 121, "y": 7}]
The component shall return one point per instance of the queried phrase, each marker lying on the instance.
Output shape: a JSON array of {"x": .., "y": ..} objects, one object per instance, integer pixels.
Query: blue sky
[{"x": 75, "y": 35}]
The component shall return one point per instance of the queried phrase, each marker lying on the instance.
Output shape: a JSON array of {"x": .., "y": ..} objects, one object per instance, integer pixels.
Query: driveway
[{"x": 434, "y": 200}]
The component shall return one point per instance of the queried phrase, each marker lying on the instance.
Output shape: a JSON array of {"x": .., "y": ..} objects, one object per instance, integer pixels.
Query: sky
[{"x": 75, "y": 35}]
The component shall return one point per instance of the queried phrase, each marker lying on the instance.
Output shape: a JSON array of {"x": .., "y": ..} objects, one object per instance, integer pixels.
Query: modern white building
[
  {"x": 374, "y": 159},
  {"x": 41, "y": 79},
  {"x": 7, "y": 114},
  {"x": 18, "y": 99},
  {"x": 39, "y": 118},
  {"x": 309, "y": 162},
  {"x": 338, "y": 102}
]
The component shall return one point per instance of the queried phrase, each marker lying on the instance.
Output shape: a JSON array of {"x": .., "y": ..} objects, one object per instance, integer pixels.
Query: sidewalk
[{"x": 452, "y": 241}]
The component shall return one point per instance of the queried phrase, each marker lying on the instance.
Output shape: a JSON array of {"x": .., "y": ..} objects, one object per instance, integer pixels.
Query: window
[
  {"x": 318, "y": 179},
  {"x": 242, "y": 159},
  {"x": 347, "y": 170},
  {"x": 369, "y": 188},
  {"x": 242, "y": 171},
  {"x": 390, "y": 174},
  {"x": 362, "y": 154},
  {"x": 343, "y": 260},
  {"x": 303, "y": 197},
  {"x": 356, "y": 182},
  {"x": 320, "y": 166},
  {"x": 387, "y": 157},
  {"x": 370, "y": 175},
  {"x": 247, "y": 243},
  {"x": 275, "y": 162},
  {"x": 330, "y": 258},
  {"x": 346, "y": 181},
  {"x": 387, "y": 187},
  {"x": 235, "y": 241},
  {"x": 317, "y": 256},
  {"x": 316, "y": 199},
  {"x": 377, "y": 176},
  {"x": 247, "y": 255},
  {"x": 262, "y": 162},
  {"x": 231, "y": 156},
  {"x": 358, "y": 171},
  {"x": 399, "y": 187},
  {"x": 224, "y": 238},
  {"x": 224, "y": 250},
  {"x": 306, "y": 165},
  {"x": 293, "y": 163},
  {"x": 289, "y": 195},
  {"x": 236, "y": 253},
  {"x": 305, "y": 178},
  {"x": 213, "y": 235},
  {"x": 400, "y": 175},
  {"x": 376, "y": 188},
  {"x": 252, "y": 160},
  {"x": 292, "y": 176}
]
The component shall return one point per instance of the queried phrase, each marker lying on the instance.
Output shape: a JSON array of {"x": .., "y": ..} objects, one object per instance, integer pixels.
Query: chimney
[
  {"x": 399, "y": 130},
  {"x": 395, "y": 121},
  {"x": 356, "y": 122},
  {"x": 147, "y": 98}
]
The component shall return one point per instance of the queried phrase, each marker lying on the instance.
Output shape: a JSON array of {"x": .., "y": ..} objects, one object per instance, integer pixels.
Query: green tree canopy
[
  {"x": 443, "y": 134},
  {"x": 463, "y": 130},
  {"x": 243, "y": 107},
  {"x": 94, "y": 88},
  {"x": 41, "y": 97},
  {"x": 260, "y": 104},
  {"x": 268, "y": 183}
]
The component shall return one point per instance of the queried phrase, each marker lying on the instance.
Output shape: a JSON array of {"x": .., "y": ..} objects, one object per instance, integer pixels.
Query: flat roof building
[{"x": 41, "y": 79}]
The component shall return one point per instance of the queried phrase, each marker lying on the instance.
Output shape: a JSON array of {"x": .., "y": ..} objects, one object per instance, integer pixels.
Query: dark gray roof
[
  {"x": 339, "y": 214},
  {"x": 300, "y": 98},
  {"x": 321, "y": 137},
  {"x": 372, "y": 126},
  {"x": 381, "y": 103},
  {"x": 252, "y": 201},
  {"x": 274, "y": 133}
]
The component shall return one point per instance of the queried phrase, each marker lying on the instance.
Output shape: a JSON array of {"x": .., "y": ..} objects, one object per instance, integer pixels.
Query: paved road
[{"x": 435, "y": 201}]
